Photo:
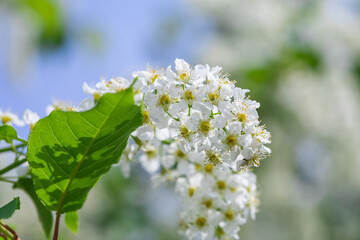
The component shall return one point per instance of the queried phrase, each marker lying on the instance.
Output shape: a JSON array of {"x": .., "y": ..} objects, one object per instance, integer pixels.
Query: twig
[
  {"x": 3, "y": 236},
  {"x": 12, "y": 166},
  {"x": 57, "y": 223},
  {"x": 11, "y": 148}
]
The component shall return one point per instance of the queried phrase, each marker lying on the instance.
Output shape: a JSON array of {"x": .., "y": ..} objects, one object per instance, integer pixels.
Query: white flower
[
  {"x": 10, "y": 118},
  {"x": 60, "y": 105},
  {"x": 147, "y": 78},
  {"x": 30, "y": 118},
  {"x": 199, "y": 131},
  {"x": 183, "y": 70},
  {"x": 86, "y": 104},
  {"x": 128, "y": 156},
  {"x": 150, "y": 156}
]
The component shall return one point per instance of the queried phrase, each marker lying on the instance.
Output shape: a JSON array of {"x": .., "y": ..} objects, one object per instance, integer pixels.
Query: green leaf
[
  {"x": 8, "y": 133},
  {"x": 8, "y": 210},
  {"x": 69, "y": 151},
  {"x": 71, "y": 220},
  {"x": 44, "y": 214}
]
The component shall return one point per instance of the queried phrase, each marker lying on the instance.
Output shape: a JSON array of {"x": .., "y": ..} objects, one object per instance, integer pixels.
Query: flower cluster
[
  {"x": 201, "y": 132},
  {"x": 9, "y": 118}
]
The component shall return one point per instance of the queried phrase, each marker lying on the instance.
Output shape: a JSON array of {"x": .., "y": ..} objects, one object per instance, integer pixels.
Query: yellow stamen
[
  {"x": 185, "y": 133},
  {"x": 229, "y": 214},
  {"x": 201, "y": 222},
  {"x": 209, "y": 168},
  {"x": 208, "y": 203},
  {"x": 231, "y": 140},
  {"x": 96, "y": 96},
  {"x": 5, "y": 119},
  {"x": 154, "y": 77},
  {"x": 241, "y": 117},
  {"x": 213, "y": 96},
  {"x": 205, "y": 127},
  {"x": 180, "y": 153},
  {"x": 189, "y": 95},
  {"x": 146, "y": 117},
  {"x": 191, "y": 191},
  {"x": 213, "y": 158},
  {"x": 183, "y": 76},
  {"x": 164, "y": 100},
  {"x": 221, "y": 185},
  {"x": 151, "y": 152}
]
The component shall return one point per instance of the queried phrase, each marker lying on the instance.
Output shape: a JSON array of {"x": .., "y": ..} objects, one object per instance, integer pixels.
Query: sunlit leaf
[
  {"x": 71, "y": 220},
  {"x": 8, "y": 133},
  {"x": 69, "y": 151}
]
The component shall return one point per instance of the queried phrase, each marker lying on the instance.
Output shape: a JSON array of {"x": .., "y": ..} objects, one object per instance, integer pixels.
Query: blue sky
[{"x": 132, "y": 36}]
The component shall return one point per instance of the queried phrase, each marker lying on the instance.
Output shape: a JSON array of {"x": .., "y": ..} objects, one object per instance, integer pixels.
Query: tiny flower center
[
  {"x": 191, "y": 191},
  {"x": 189, "y": 95},
  {"x": 151, "y": 152},
  {"x": 5, "y": 119},
  {"x": 209, "y": 168},
  {"x": 180, "y": 153},
  {"x": 221, "y": 185},
  {"x": 231, "y": 140},
  {"x": 213, "y": 158},
  {"x": 241, "y": 117},
  {"x": 220, "y": 231},
  {"x": 146, "y": 116},
  {"x": 163, "y": 171},
  {"x": 201, "y": 222},
  {"x": 213, "y": 96},
  {"x": 182, "y": 224},
  {"x": 154, "y": 77},
  {"x": 233, "y": 189},
  {"x": 183, "y": 76},
  {"x": 164, "y": 100},
  {"x": 185, "y": 133},
  {"x": 96, "y": 96},
  {"x": 70, "y": 109},
  {"x": 229, "y": 214},
  {"x": 205, "y": 126},
  {"x": 208, "y": 203},
  {"x": 198, "y": 167}
]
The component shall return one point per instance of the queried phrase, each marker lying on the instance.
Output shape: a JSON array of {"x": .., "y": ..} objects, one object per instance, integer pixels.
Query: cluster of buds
[{"x": 201, "y": 132}]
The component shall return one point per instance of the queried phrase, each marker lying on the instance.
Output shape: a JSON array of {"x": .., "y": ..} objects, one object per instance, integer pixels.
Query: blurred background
[{"x": 299, "y": 58}]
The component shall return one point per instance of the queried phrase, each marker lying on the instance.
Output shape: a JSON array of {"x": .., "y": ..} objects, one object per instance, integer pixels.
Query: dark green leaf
[
  {"x": 71, "y": 220},
  {"x": 8, "y": 210},
  {"x": 44, "y": 214},
  {"x": 69, "y": 151}
]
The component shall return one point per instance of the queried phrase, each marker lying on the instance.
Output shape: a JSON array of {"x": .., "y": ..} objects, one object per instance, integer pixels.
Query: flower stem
[
  {"x": 6, "y": 180},
  {"x": 57, "y": 224},
  {"x": 8, "y": 232},
  {"x": 3, "y": 236},
  {"x": 176, "y": 119},
  {"x": 11, "y": 148},
  {"x": 12, "y": 166}
]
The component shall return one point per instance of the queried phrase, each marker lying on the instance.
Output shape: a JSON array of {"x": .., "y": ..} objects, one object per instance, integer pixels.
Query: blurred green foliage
[
  {"x": 124, "y": 211},
  {"x": 47, "y": 16}
]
